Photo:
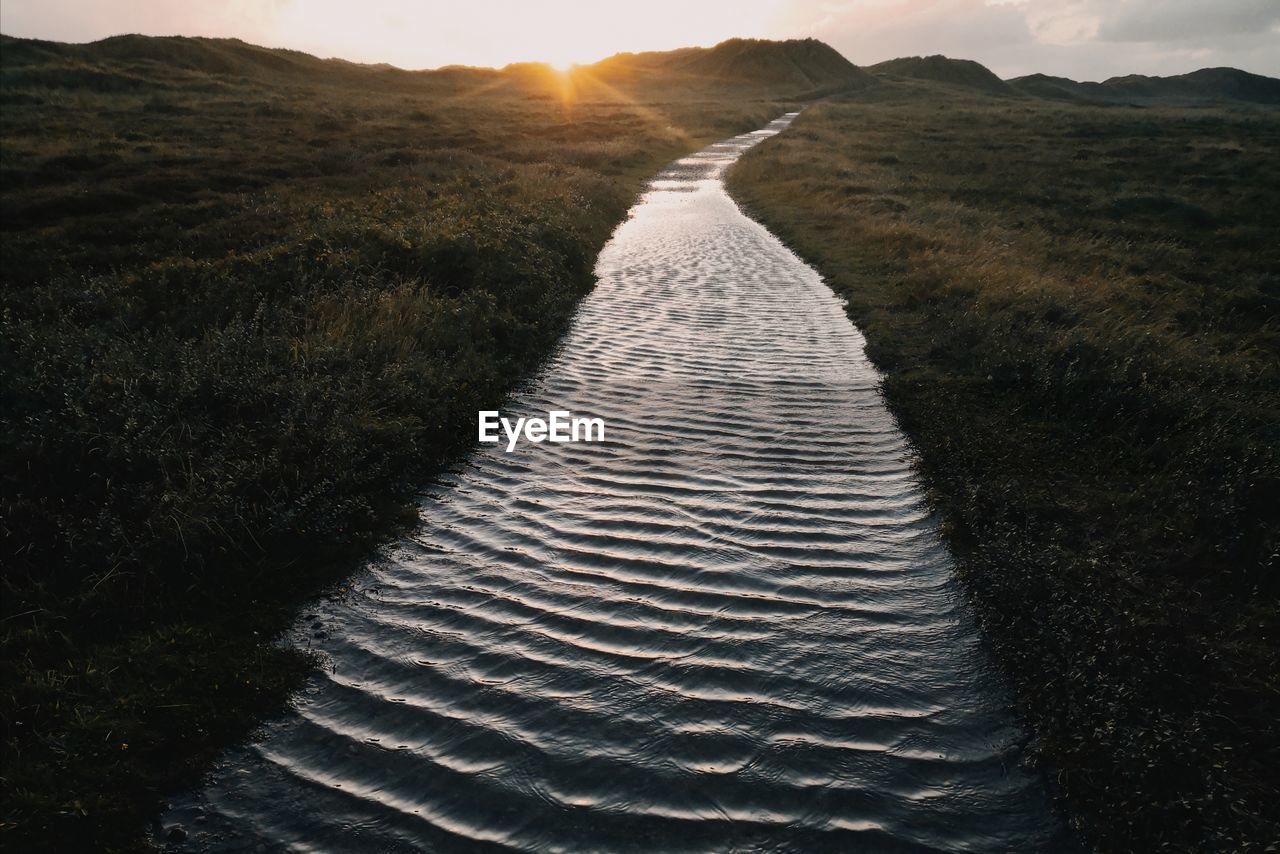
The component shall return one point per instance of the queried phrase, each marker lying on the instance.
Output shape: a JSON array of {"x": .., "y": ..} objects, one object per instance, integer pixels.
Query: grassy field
[
  {"x": 1078, "y": 312},
  {"x": 251, "y": 300}
]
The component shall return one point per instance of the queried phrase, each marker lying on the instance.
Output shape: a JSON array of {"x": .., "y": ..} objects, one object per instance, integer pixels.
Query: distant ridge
[
  {"x": 942, "y": 69},
  {"x": 210, "y": 56},
  {"x": 801, "y": 67},
  {"x": 1058, "y": 88},
  {"x": 156, "y": 63},
  {"x": 1208, "y": 85},
  {"x": 797, "y": 68}
]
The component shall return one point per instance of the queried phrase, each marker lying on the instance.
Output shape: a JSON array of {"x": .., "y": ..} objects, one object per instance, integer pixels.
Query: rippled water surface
[{"x": 731, "y": 626}]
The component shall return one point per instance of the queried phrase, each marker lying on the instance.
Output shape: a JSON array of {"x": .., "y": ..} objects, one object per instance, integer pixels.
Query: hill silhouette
[
  {"x": 942, "y": 69},
  {"x": 791, "y": 68},
  {"x": 133, "y": 62},
  {"x": 133, "y": 56},
  {"x": 797, "y": 64},
  {"x": 1208, "y": 85},
  {"x": 1059, "y": 88}
]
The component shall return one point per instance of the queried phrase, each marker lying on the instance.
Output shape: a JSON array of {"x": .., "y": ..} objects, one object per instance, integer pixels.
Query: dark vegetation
[
  {"x": 251, "y": 299},
  {"x": 1078, "y": 312}
]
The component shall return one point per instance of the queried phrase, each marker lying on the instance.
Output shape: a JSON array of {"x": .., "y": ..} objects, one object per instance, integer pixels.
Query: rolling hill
[
  {"x": 1208, "y": 85},
  {"x": 1059, "y": 88},
  {"x": 133, "y": 61},
  {"x": 796, "y": 64},
  {"x": 792, "y": 68},
  {"x": 942, "y": 69},
  {"x": 139, "y": 63}
]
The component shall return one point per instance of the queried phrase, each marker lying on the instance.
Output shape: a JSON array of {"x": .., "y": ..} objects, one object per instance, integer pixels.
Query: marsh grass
[
  {"x": 1078, "y": 310},
  {"x": 252, "y": 301}
]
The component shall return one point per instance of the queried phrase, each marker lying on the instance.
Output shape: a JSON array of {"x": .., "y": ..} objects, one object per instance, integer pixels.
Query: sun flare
[{"x": 564, "y": 56}]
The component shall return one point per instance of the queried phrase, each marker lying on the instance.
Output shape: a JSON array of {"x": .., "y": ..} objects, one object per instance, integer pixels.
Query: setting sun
[
  {"x": 558, "y": 32},
  {"x": 562, "y": 52}
]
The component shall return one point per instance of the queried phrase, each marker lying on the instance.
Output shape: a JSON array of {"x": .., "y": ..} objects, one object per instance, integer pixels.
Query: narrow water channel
[{"x": 730, "y": 626}]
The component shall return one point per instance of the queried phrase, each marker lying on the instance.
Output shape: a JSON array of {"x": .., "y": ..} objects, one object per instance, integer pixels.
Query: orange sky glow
[{"x": 1084, "y": 39}]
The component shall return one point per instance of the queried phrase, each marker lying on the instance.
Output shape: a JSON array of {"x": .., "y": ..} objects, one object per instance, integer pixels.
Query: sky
[{"x": 1081, "y": 39}]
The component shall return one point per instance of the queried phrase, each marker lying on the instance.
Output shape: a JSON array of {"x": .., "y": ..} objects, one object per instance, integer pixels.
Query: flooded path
[{"x": 731, "y": 626}]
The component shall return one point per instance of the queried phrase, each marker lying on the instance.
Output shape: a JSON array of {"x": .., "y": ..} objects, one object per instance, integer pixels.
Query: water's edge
[{"x": 730, "y": 626}]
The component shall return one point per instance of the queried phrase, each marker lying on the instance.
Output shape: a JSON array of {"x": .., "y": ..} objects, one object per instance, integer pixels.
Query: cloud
[
  {"x": 1063, "y": 23},
  {"x": 1083, "y": 39},
  {"x": 874, "y": 30},
  {"x": 1191, "y": 20}
]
